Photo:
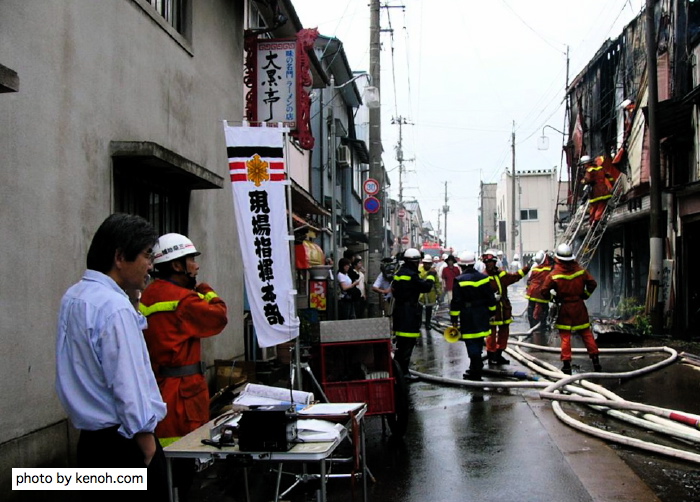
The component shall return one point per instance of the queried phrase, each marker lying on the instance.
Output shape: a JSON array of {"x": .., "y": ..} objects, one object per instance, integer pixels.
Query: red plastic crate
[{"x": 377, "y": 393}]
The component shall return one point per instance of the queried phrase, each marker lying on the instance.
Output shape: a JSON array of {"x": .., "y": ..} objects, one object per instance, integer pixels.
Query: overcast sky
[{"x": 464, "y": 74}]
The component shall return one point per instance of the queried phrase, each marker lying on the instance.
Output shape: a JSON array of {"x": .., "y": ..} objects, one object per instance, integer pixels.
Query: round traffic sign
[
  {"x": 371, "y": 186},
  {"x": 371, "y": 204},
  {"x": 405, "y": 240}
]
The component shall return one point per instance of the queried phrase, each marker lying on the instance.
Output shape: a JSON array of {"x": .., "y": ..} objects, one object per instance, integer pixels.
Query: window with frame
[
  {"x": 528, "y": 214},
  {"x": 173, "y": 11},
  {"x": 166, "y": 207},
  {"x": 156, "y": 183}
]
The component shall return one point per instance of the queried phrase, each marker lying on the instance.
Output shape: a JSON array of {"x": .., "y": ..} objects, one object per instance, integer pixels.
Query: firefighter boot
[
  {"x": 499, "y": 359},
  {"x": 566, "y": 368},
  {"x": 476, "y": 364},
  {"x": 596, "y": 363},
  {"x": 491, "y": 357}
]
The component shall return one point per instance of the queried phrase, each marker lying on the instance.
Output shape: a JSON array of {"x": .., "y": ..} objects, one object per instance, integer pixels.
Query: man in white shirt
[{"x": 104, "y": 378}]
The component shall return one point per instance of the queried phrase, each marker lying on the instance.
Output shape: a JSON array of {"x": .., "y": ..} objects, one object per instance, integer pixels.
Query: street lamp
[
  {"x": 543, "y": 143},
  {"x": 372, "y": 94}
]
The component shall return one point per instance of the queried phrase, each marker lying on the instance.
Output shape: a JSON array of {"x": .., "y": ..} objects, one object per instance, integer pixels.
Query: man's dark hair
[{"x": 126, "y": 232}]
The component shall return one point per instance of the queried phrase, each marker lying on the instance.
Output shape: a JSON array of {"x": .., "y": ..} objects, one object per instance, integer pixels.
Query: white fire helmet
[
  {"x": 564, "y": 253},
  {"x": 467, "y": 258},
  {"x": 171, "y": 247},
  {"x": 586, "y": 159},
  {"x": 411, "y": 254}
]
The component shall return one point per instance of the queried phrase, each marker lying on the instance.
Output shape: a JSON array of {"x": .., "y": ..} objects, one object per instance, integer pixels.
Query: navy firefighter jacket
[
  {"x": 406, "y": 288},
  {"x": 473, "y": 303}
]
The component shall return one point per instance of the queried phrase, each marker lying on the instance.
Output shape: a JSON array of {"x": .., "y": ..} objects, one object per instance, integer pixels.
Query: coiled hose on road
[{"x": 673, "y": 423}]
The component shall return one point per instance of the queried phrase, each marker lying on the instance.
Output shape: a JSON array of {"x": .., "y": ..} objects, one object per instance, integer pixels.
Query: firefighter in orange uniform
[
  {"x": 571, "y": 284},
  {"x": 538, "y": 306},
  {"x": 497, "y": 341},
  {"x": 601, "y": 185},
  {"x": 180, "y": 313}
]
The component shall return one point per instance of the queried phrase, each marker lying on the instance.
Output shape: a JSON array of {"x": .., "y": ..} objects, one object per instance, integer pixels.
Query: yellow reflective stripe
[
  {"x": 454, "y": 313},
  {"x": 208, "y": 297},
  {"x": 587, "y": 293},
  {"x": 590, "y": 169},
  {"x": 541, "y": 269},
  {"x": 407, "y": 335},
  {"x": 498, "y": 282},
  {"x": 466, "y": 336},
  {"x": 474, "y": 284},
  {"x": 402, "y": 277},
  {"x": 538, "y": 300},
  {"x": 492, "y": 308},
  {"x": 431, "y": 277},
  {"x": 499, "y": 323},
  {"x": 573, "y": 328},
  {"x": 521, "y": 272},
  {"x": 602, "y": 197},
  {"x": 569, "y": 277},
  {"x": 168, "y": 441},
  {"x": 158, "y": 307}
]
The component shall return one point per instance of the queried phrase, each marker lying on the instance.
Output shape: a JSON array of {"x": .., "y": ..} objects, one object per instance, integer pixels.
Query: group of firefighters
[{"x": 480, "y": 310}]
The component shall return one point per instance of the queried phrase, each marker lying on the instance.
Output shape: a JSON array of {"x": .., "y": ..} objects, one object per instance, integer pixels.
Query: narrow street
[{"x": 488, "y": 444}]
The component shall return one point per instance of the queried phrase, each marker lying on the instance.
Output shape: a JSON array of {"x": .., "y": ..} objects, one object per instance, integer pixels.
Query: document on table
[
  {"x": 263, "y": 395},
  {"x": 316, "y": 431},
  {"x": 331, "y": 408}
]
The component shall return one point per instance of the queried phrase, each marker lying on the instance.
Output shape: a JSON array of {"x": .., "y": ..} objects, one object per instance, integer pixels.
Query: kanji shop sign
[
  {"x": 278, "y": 73},
  {"x": 276, "y": 68}
]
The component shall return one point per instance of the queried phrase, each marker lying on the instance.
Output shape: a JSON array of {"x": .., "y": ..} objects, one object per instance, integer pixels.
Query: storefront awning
[{"x": 303, "y": 202}]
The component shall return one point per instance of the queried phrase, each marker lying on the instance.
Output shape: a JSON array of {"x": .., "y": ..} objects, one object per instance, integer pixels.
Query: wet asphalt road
[{"x": 487, "y": 444}]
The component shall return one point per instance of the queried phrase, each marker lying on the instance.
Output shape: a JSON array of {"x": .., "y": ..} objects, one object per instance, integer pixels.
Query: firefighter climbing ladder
[
  {"x": 592, "y": 239},
  {"x": 590, "y": 242}
]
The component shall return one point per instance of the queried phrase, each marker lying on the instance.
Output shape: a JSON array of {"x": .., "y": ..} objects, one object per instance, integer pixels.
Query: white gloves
[{"x": 498, "y": 297}]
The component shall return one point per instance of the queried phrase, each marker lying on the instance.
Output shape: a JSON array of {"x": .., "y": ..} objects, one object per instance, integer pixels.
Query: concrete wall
[{"x": 95, "y": 72}]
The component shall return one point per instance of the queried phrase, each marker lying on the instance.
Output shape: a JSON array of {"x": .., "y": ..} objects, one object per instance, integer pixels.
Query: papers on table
[
  {"x": 331, "y": 408},
  {"x": 263, "y": 395},
  {"x": 315, "y": 431}
]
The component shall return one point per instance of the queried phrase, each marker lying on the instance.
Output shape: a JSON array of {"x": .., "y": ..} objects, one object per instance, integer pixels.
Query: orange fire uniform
[
  {"x": 573, "y": 284},
  {"x": 178, "y": 318},
  {"x": 500, "y": 322}
]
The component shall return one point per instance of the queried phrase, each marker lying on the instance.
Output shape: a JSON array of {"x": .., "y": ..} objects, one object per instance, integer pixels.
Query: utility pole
[
  {"x": 399, "y": 155},
  {"x": 445, "y": 210},
  {"x": 653, "y": 300},
  {"x": 377, "y": 232},
  {"x": 512, "y": 212}
]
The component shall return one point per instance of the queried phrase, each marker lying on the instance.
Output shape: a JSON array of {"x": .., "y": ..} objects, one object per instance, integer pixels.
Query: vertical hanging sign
[
  {"x": 278, "y": 75},
  {"x": 257, "y": 168}
]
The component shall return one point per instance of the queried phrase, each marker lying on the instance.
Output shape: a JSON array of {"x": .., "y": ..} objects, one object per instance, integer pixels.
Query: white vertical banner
[{"x": 258, "y": 179}]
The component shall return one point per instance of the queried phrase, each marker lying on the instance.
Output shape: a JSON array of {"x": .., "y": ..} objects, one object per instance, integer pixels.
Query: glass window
[
  {"x": 166, "y": 207},
  {"x": 528, "y": 214},
  {"x": 173, "y": 12}
]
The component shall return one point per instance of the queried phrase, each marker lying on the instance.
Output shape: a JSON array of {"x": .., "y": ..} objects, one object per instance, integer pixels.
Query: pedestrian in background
[
  {"x": 449, "y": 272},
  {"x": 348, "y": 290},
  {"x": 429, "y": 300},
  {"x": 382, "y": 285},
  {"x": 104, "y": 378},
  {"x": 360, "y": 303},
  {"x": 570, "y": 284}
]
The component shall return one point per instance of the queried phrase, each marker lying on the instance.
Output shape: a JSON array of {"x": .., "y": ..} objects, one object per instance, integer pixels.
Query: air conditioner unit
[{"x": 343, "y": 155}]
